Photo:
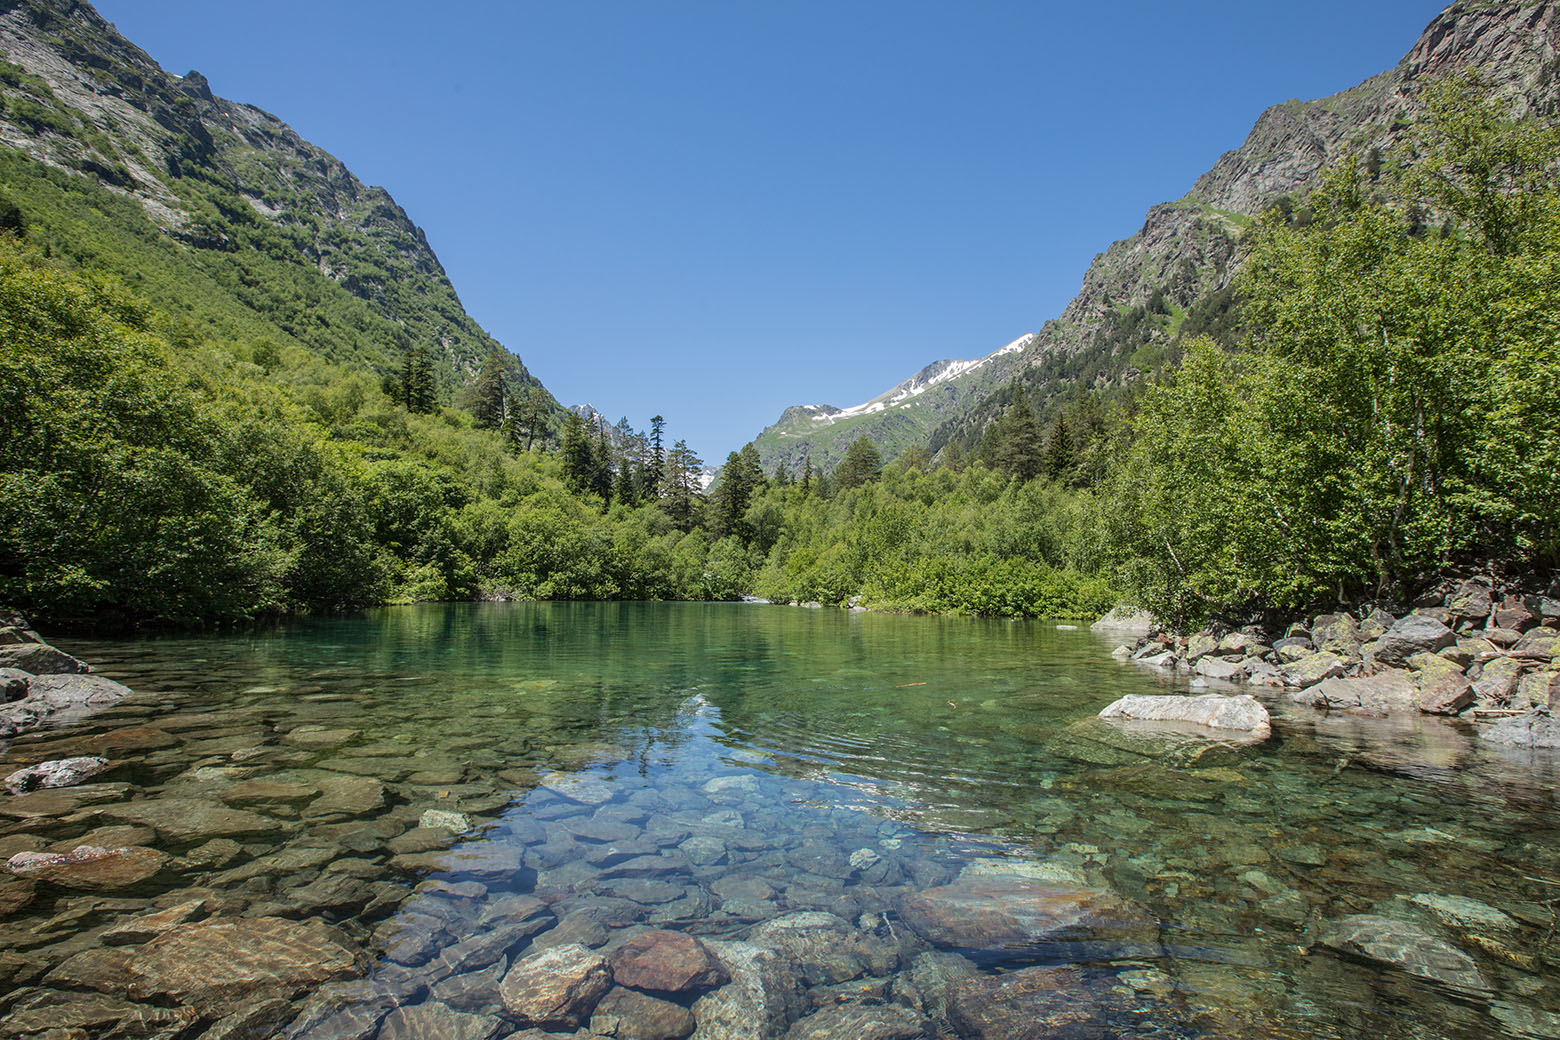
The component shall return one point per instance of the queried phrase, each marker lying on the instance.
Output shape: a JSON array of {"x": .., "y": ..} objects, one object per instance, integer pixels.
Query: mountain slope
[
  {"x": 1136, "y": 295},
  {"x": 282, "y": 236},
  {"x": 895, "y": 419}
]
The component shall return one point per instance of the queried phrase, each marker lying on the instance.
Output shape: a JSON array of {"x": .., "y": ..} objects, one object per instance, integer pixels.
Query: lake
[{"x": 404, "y": 823}]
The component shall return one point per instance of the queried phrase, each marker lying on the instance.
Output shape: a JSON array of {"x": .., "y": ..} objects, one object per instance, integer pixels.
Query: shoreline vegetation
[{"x": 1380, "y": 414}]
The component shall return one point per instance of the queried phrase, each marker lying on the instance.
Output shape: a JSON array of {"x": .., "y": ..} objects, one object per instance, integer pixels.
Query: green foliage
[
  {"x": 862, "y": 465},
  {"x": 1013, "y": 444},
  {"x": 1388, "y": 416}
]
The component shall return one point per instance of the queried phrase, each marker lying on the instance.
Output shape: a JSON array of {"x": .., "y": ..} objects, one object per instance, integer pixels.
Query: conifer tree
[
  {"x": 681, "y": 486},
  {"x": 417, "y": 387},
  {"x": 657, "y": 454},
  {"x": 1013, "y": 444},
  {"x": 740, "y": 480},
  {"x": 1058, "y": 449},
  {"x": 862, "y": 465},
  {"x": 490, "y": 394},
  {"x": 579, "y": 461}
]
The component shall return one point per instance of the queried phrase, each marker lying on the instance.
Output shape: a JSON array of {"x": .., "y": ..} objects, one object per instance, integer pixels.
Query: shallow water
[{"x": 711, "y": 768}]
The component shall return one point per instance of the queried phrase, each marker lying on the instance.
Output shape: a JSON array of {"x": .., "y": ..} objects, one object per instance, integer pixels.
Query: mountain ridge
[{"x": 1188, "y": 249}]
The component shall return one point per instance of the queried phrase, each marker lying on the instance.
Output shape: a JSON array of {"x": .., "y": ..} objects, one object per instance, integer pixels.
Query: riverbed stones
[
  {"x": 192, "y": 819},
  {"x": 555, "y": 988},
  {"x": 1241, "y": 714},
  {"x": 586, "y": 790},
  {"x": 63, "y": 772},
  {"x": 432, "y": 1020},
  {"x": 996, "y": 914},
  {"x": 631, "y": 1015},
  {"x": 666, "y": 961},
  {"x": 268, "y": 792},
  {"x": 215, "y": 963},
  {"x": 861, "y": 1022},
  {"x": 90, "y": 867},
  {"x": 759, "y": 1003},
  {"x": 144, "y": 927},
  {"x": 348, "y": 796},
  {"x": 1407, "y": 947},
  {"x": 1024, "y": 1004}
]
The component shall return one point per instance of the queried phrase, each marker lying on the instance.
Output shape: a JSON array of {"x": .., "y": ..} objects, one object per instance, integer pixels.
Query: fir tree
[
  {"x": 490, "y": 394},
  {"x": 862, "y": 464},
  {"x": 657, "y": 454},
  {"x": 579, "y": 461},
  {"x": 681, "y": 485},
  {"x": 1013, "y": 444},
  {"x": 417, "y": 387},
  {"x": 1058, "y": 450},
  {"x": 740, "y": 480}
]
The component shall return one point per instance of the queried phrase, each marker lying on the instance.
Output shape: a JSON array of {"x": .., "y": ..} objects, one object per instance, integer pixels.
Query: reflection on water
[{"x": 876, "y": 826}]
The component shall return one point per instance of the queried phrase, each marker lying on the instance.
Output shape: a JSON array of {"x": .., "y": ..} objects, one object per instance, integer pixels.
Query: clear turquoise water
[{"x": 933, "y": 741}]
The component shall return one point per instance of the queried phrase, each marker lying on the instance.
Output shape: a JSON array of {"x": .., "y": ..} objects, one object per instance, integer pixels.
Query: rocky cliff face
[
  {"x": 1189, "y": 249},
  {"x": 81, "y": 98}
]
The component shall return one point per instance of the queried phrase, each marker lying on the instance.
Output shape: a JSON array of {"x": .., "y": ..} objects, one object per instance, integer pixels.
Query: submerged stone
[
  {"x": 994, "y": 914},
  {"x": 215, "y": 963},
  {"x": 90, "y": 867},
  {"x": 432, "y": 1020},
  {"x": 667, "y": 962},
  {"x": 630, "y": 1015},
  {"x": 556, "y": 987},
  {"x": 63, "y": 772},
  {"x": 1408, "y": 948}
]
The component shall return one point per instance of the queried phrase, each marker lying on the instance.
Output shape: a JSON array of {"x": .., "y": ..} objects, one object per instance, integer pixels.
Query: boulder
[
  {"x": 1538, "y": 644},
  {"x": 1028, "y": 1003},
  {"x": 1312, "y": 669},
  {"x": 1338, "y": 634},
  {"x": 214, "y": 964},
  {"x": 1540, "y": 689},
  {"x": 432, "y": 1020},
  {"x": 1513, "y": 613},
  {"x": 90, "y": 867},
  {"x": 1409, "y": 948},
  {"x": 1007, "y": 915},
  {"x": 74, "y": 695},
  {"x": 1200, "y": 645},
  {"x": 762, "y": 999},
  {"x": 1443, "y": 688},
  {"x": 1383, "y": 693},
  {"x": 1220, "y": 669},
  {"x": 61, "y": 772},
  {"x": 630, "y": 1015},
  {"x": 825, "y": 947},
  {"x": 1498, "y": 680},
  {"x": 1125, "y": 621},
  {"x": 1470, "y": 603},
  {"x": 556, "y": 987},
  {"x": 1241, "y": 714},
  {"x": 39, "y": 659},
  {"x": 1536, "y": 729},
  {"x": 1414, "y": 634},
  {"x": 666, "y": 962},
  {"x": 862, "y": 1022},
  {"x": 1503, "y": 637},
  {"x": 1375, "y": 624}
]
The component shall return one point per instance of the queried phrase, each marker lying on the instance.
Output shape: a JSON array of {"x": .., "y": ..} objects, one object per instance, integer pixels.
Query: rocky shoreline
[{"x": 1470, "y": 649}]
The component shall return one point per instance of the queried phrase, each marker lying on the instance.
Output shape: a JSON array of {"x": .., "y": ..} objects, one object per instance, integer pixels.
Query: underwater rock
[
  {"x": 1408, "y": 948},
  {"x": 556, "y": 987},
  {"x": 667, "y": 962}
]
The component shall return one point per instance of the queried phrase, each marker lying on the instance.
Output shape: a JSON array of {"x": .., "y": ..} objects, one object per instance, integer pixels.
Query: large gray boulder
[
  {"x": 1125, "y": 621},
  {"x": 1383, "y": 694},
  {"x": 1242, "y": 714},
  {"x": 1536, "y": 729},
  {"x": 39, "y": 659},
  {"x": 1412, "y": 635}
]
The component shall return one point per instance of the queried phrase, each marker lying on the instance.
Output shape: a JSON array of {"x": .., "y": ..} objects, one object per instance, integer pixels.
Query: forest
[{"x": 1370, "y": 403}]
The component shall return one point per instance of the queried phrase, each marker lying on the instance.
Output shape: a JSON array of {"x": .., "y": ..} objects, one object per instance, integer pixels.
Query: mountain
[
  {"x": 901, "y": 416},
  {"x": 122, "y": 167},
  {"x": 1174, "y": 274}
]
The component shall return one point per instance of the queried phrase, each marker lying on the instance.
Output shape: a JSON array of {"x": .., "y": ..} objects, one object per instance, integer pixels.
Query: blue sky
[{"x": 713, "y": 210}]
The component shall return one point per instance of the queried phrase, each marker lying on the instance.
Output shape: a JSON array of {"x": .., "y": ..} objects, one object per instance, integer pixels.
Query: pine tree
[
  {"x": 417, "y": 386},
  {"x": 782, "y": 477},
  {"x": 1058, "y": 450},
  {"x": 740, "y": 480},
  {"x": 601, "y": 462},
  {"x": 490, "y": 394},
  {"x": 862, "y": 464},
  {"x": 1014, "y": 444},
  {"x": 681, "y": 485},
  {"x": 579, "y": 462},
  {"x": 657, "y": 454},
  {"x": 808, "y": 480}
]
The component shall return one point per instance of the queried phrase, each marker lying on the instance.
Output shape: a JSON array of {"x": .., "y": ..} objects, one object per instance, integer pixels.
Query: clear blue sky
[{"x": 713, "y": 210}]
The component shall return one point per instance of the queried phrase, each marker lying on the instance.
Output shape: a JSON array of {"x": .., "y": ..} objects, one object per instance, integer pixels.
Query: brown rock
[
  {"x": 556, "y": 987},
  {"x": 432, "y": 1020},
  {"x": 138, "y": 738},
  {"x": 666, "y": 962},
  {"x": 218, "y": 962},
  {"x": 862, "y": 1022},
  {"x": 349, "y": 795},
  {"x": 269, "y": 792},
  {"x": 1512, "y": 613},
  {"x": 145, "y": 927},
  {"x": 187, "y": 819},
  {"x": 1443, "y": 688},
  {"x": 1000, "y": 912},
  {"x": 630, "y": 1015},
  {"x": 1025, "y": 1005},
  {"x": 15, "y": 894},
  {"x": 104, "y": 970},
  {"x": 90, "y": 867}
]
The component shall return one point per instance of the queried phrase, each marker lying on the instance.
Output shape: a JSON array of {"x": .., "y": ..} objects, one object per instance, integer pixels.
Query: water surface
[{"x": 712, "y": 768}]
